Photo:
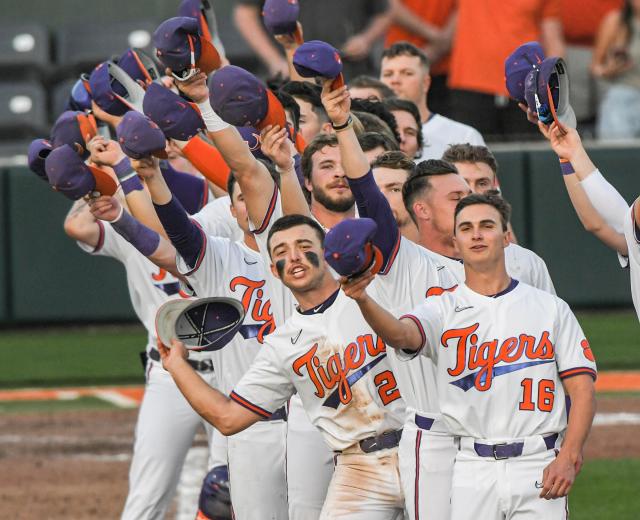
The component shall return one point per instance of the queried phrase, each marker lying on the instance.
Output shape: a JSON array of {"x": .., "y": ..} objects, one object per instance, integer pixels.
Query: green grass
[
  {"x": 109, "y": 354},
  {"x": 79, "y": 356},
  {"x": 605, "y": 490},
  {"x": 82, "y": 403},
  {"x": 614, "y": 338}
]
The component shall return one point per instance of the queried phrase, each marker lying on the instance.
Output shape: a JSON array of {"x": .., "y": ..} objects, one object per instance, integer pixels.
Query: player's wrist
[{"x": 341, "y": 123}]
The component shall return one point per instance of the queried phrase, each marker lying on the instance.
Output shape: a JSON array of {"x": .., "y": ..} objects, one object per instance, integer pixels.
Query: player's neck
[
  {"x": 328, "y": 218},
  {"x": 487, "y": 280},
  {"x": 425, "y": 113},
  {"x": 312, "y": 299},
  {"x": 250, "y": 241},
  {"x": 437, "y": 242},
  {"x": 410, "y": 232}
]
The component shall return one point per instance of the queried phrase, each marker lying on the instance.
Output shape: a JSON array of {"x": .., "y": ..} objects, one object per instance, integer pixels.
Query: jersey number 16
[{"x": 546, "y": 389}]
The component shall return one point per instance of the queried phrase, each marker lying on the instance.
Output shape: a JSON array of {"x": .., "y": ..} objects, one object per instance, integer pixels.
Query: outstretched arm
[{"x": 226, "y": 415}]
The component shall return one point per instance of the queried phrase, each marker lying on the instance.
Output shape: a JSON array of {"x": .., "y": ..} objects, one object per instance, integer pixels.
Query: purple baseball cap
[
  {"x": 281, "y": 16},
  {"x": 518, "y": 64},
  {"x": 39, "y": 150},
  {"x": 319, "y": 59},
  {"x": 204, "y": 324},
  {"x": 140, "y": 137},
  {"x": 68, "y": 174},
  {"x": 546, "y": 91},
  {"x": 176, "y": 117},
  {"x": 74, "y": 127},
  {"x": 113, "y": 90},
  {"x": 139, "y": 66},
  {"x": 241, "y": 99},
  {"x": 349, "y": 248},
  {"x": 251, "y": 136},
  {"x": 181, "y": 46}
]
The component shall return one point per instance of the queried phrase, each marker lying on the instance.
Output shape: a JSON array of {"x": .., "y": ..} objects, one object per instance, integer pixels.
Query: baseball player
[
  {"x": 506, "y": 356},
  {"x": 601, "y": 208},
  {"x": 325, "y": 353}
]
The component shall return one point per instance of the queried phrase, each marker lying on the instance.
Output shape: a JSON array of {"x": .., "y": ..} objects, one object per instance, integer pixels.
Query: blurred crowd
[{"x": 466, "y": 43}]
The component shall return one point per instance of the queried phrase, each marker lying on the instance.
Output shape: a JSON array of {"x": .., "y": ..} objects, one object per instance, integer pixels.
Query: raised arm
[
  {"x": 226, "y": 415},
  {"x": 397, "y": 333},
  {"x": 81, "y": 225}
]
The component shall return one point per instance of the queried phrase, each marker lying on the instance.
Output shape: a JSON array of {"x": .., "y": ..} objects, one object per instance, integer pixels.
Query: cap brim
[
  {"x": 275, "y": 113},
  {"x": 209, "y": 57},
  {"x": 338, "y": 82},
  {"x": 374, "y": 261},
  {"x": 166, "y": 318},
  {"x": 105, "y": 183}
]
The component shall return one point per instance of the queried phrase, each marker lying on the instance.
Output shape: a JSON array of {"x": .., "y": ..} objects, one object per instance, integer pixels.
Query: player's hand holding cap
[
  {"x": 349, "y": 248},
  {"x": 241, "y": 99},
  {"x": 68, "y": 174},
  {"x": 316, "y": 59},
  {"x": 181, "y": 46},
  {"x": 140, "y": 137},
  {"x": 176, "y": 117},
  {"x": 74, "y": 128},
  {"x": 546, "y": 91},
  {"x": 202, "y": 324},
  {"x": 113, "y": 90},
  {"x": 281, "y": 17},
  {"x": 518, "y": 64},
  {"x": 39, "y": 150}
]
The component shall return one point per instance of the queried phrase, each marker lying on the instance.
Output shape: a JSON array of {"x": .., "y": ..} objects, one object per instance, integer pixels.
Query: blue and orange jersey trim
[
  {"x": 250, "y": 406},
  {"x": 203, "y": 249},
  {"x": 269, "y": 213},
  {"x": 415, "y": 320},
  {"x": 578, "y": 371},
  {"x": 100, "y": 243},
  {"x": 393, "y": 255}
]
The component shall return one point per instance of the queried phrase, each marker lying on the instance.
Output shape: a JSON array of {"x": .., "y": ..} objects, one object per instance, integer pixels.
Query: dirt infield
[{"x": 73, "y": 464}]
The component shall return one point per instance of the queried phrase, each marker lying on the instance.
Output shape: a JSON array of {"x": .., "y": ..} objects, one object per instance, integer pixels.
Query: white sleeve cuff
[
  {"x": 212, "y": 121},
  {"x": 606, "y": 200}
]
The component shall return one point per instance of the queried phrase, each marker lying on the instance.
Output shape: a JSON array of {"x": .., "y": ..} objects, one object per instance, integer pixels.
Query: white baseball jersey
[
  {"x": 338, "y": 367},
  {"x": 440, "y": 132},
  {"x": 501, "y": 360},
  {"x": 231, "y": 269},
  {"x": 149, "y": 286},
  {"x": 521, "y": 263},
  {"x": 217, "y": 221},
  {"x": 632, "y": 236}
]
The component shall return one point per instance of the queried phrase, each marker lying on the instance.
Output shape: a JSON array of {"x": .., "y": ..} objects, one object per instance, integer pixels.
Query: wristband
[
  {"x": 212, "y": 121},
  {"x": 291, "y": 166},
  {"x": 123, "y": 169},
  {"x": 138, "y": 235},
  {"x": 566, "y": 167},
  {"x": 344, "y": 126},
  {"x": 130, "y": 184}
]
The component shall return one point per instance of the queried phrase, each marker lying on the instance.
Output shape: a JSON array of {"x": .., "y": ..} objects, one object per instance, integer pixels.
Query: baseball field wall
[{"x": 46, "y": 278}]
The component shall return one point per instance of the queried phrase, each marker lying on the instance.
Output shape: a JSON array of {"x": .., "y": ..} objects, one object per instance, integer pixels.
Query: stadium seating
[
  {"x": 22, "y": 110},
  {"x": 24, "y": 51}
]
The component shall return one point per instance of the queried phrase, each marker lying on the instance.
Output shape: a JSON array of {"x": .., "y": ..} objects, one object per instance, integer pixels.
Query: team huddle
[{"x": 330, "y": 282}]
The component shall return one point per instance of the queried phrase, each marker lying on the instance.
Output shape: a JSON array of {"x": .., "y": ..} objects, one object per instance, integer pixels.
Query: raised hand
[
  {"x": 564, "y": 141},
  {"x": 105, "y": 208},
  {"x": 147, "y": 167},
  {"x": 105, "y": 152},
  {"x": 337, "y": 103},
  {"x": 355, "y": 288},
  {"x": 277, "y": 146},
  {"x": 196, "y": 87}
]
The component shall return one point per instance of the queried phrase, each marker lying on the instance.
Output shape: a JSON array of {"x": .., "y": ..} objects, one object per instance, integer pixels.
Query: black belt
[
  {"x": 383, "y": 441},
  {"x": 506, "y": 451},
  {"x": 424, "y": 423},
  {"x": 279, "y": 415},
  {"x": 204, "y": 365}
]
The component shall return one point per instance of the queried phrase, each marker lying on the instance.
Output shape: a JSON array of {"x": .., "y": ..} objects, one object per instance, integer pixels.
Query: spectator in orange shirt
[
  {"x": 429, "y": 25},
  {"x": 487, "y": 32}
]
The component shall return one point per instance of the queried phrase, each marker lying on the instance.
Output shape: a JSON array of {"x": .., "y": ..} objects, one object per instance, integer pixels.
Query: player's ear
[{"x": 421, "y": 211}]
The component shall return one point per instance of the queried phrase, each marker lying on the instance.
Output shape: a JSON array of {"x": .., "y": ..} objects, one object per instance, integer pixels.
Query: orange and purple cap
[
  {"x": 241, "y": 99},
  {"x": 73, "y": 127},
  {"x": 39, "y": 150},
  {"x": 319, "y": 59},
  {"x": 176, "y": 117},
  {"x": 70, "y": 175},
  {"x": 518, "y": 64},
  {"x": 281, "y": 16},
  {"x": 349, "y": 248},
  {"x": 140, "y": 137}
]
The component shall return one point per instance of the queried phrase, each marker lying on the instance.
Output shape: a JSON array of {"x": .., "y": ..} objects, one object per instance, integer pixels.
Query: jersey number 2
[
  {"x": 387, "y": 387},
  {"x": 546, "y": 389}
]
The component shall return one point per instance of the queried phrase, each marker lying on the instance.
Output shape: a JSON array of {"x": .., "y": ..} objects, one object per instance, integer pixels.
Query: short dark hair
[
  {"x": 289, "y": 221},
  {"x": 471, "y": 154},
  {"x": 407, "y": 106},
  {"x": 288, "y": 103},
  {"x": 307, "y": 92},
  {"x": 419, "y": 183},
  {"x": 377, "y": 109},
  {"x": 372, "y": 123},
  {"x": 232, "y": 181},
  {"x": 364, "y": 81},
  {"x": 491, "y": 199},
  {"x": 405, "y": 48},
  {"x": 395, "y": 160},
  {"x": 370, "y": 140}
]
